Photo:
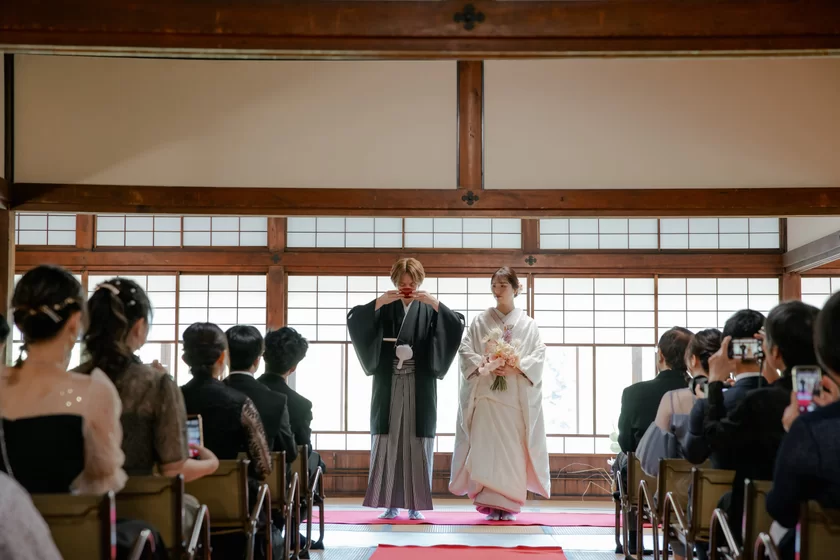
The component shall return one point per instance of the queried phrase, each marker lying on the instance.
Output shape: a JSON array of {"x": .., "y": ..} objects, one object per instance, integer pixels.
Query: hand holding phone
[
  {"x": 746, "y": 349},
  {"x": 195, "y": 435},
  {"x": 807, "y": 383}
]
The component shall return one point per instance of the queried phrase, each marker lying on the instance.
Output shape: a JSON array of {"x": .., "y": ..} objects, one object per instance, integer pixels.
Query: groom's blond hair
[{"x": 410, "y": 266}]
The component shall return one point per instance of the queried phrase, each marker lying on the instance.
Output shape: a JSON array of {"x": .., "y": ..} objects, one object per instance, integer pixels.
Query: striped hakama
[{"x": 401, "y": 462}]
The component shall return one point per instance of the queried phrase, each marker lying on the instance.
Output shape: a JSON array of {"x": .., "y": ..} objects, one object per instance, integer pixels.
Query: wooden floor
[{"x": 357, "y": 542}]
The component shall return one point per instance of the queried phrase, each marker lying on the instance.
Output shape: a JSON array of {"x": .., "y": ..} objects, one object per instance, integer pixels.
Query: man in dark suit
[
  {"x": 245, "y": 346},
  {"x": 746, "y": 438},
  {"x": 808, "y": 462},
  {"x": 285, "y": 348},
  {"x": 743, "y": 324},
  {"x": 640, "y": 401}
]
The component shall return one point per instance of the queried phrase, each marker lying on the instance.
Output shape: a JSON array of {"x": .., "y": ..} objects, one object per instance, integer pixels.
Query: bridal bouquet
[{"x": 499, "y": 347}]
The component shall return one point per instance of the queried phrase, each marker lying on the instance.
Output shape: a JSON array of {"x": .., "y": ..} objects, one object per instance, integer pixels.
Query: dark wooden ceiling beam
[
  {"x": 403, "y": 202},
  {"x": 350, "y": 262},
  {"x": 821, "y": 252},
  {"x": 343, "y": 28}
]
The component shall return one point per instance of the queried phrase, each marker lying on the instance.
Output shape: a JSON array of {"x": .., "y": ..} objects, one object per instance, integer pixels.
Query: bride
[{"x": 500, "y": 447}]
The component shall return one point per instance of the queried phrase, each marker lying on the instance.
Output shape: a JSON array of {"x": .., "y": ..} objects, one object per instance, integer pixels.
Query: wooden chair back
[
  {"x": 635, "y": 475},
  {"x": 225, "y": 493},
  {"x": 818, "y": 534},
  {"x": 756, "y": 519},
  {"x": 675, "y": 477},
  {"x": 276, "y": 481},
  {"x": 81, "y": 526},
  {"x": 159, "y": 501},
  {"x": 708, "y": 487},
  {"x": 301, "y": 466}
]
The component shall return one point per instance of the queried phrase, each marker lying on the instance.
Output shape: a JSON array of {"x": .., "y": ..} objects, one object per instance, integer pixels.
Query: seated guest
[
  {"x": 284, "y": 350},
  {"x": 743, "y": 324},
  {"x": 808, "y": 461},
  {"x": 747, "y": 437},
  {"x": 25, "y": 534},
  {"x": 664, "y": 437},
  {"x": 230, "y": 422},
  {"x": 71, "y": 416},
  {"x": 245, "y": 345},
  {"x": 639, "y": 402},
  {"x": 153, "y": 414}
]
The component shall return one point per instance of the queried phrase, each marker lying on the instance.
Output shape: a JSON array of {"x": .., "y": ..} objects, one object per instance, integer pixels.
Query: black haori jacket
[{"x": 434, "y": 336}]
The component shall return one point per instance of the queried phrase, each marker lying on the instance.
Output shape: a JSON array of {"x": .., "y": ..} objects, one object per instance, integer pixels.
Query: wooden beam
[
  {"x": 817, "y": 253},
  {"x": 791, "y": 286},
  {"x": 531, "y": 236},
  {"x": 471, "y": 125},
  {"x": 276, "y": 298},
  {"x": 85, "y": 233},
  {"x": 276, "y": 234},
  {"x": 436, "y": 262},
  {"x": 120, "y": 199},
  {"x": 416, "y": 29}
]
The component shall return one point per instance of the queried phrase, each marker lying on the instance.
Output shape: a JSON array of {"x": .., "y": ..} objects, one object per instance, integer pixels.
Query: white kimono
[{"x": 500, "y": 445}]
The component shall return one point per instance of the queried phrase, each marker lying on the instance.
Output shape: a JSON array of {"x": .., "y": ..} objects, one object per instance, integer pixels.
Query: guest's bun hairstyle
[
  {"x": 410, "y": 266},
  {"x": 44, "y": 300},
  {"x": 204, "y": 344},
  {"x": 673, "y": 345},
  {"x": 702, "y": 345},
  {"x": 509, "y": 275},
  {"x": 115, "y": 307}
]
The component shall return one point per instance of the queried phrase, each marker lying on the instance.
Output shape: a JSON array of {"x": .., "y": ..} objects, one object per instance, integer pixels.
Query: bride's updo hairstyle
[
  {"x": 508, "y": 274},
  {"x": 44, "y": 299}
]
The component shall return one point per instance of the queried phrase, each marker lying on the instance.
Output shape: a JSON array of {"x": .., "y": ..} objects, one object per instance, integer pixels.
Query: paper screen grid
[
  {"x": 395, "y": 233},
  {"x": 704, "y": 303},
  {"x": 120, "y": 230},
  {"x": 817, "y": 289},
  {"x": 664, "y": 233},
  {"x": 45, "y": 229}
]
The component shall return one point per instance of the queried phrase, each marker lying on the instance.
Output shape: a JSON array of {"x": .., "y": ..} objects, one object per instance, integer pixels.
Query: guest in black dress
[
  {"x": 70, "y": 416},
  {"x": 230, "y": 421}
]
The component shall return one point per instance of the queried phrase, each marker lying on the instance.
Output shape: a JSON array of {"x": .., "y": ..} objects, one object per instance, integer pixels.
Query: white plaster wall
[
  {"x": 236, "y": 123},
  {"x": 662, "y": 123}
]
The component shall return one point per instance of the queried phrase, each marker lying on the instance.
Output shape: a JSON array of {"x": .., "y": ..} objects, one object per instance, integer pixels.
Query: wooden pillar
[
  {"x": 531, "y": 236},
  {"x": 276, "y": 282},
  {"x": 276, "y": 298},
  {"x": 470, "y": 124},
  {"x": 7, "y": 217},
  {"x": 791, "y": 286}
]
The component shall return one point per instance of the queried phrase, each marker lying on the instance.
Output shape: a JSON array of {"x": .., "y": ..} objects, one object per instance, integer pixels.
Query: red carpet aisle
[
  {"x": 370, "y": 517},
  {"x": 385, "y": 552}
]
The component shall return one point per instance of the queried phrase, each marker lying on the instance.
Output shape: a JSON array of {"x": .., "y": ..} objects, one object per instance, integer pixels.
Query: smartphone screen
[
  {"x": 194, "y": 435},
  {"x": 806, "y": 383},
  {"x": 745, "y": 349}
]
